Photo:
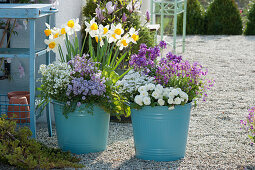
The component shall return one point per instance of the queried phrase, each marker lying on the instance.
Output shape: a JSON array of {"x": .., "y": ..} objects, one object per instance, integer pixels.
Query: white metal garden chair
[{"x": 170, "y": 8}]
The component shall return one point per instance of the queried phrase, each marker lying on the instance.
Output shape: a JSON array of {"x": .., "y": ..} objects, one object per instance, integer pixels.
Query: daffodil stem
[
  {"x": 61, "y": 54},
  {"x": 83, "y": 44}
]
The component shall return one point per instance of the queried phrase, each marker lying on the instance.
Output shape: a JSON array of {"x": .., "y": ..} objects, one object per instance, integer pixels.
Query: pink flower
[{"x": 21, "y": 71}]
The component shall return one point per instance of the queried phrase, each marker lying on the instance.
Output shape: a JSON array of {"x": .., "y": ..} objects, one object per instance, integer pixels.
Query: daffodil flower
[
  {"x": 72, "y": 26},
  {"x": 100, "y": 40},
  {"x": 47, "y": 31},
  {"x": 117, "y": 30},
  {"x": 92, "y": 28},
  {"x": 112, "y": 37},
  {"x": 103, "y": 31},
  {"x": 123, "y": 42},
  {"x": 56, "y": 32},
  {"x": 52, "y": 44},
  {"x": 134, "y": 35}
]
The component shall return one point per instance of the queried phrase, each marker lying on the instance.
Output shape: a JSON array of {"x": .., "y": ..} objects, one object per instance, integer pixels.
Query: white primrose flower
[
  {"x": 159, "y": 88},
  {"x": 139, "y": 100},
  {"x": 156, "y": 95},
  {"x": 144, "y": 93},
  {"x": 92, "y": 28},
  {"x": 177, "y": 100},
  {"x": 184, "y": 96},
  {"x": 161, "y": 102},
  {"x": 147, "y": 100},
  {"x": 175, "y": 92},
  {"x": 72, "y": 26},
  {"x": 150, "y": 86},
  {"x": 170, "y": 101},
  {"x": 142, "y": 88}
]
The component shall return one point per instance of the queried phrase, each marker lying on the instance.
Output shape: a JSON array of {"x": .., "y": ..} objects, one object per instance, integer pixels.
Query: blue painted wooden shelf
[
  {"x": 25, "y": 10},
  {"x": 31, "y": 12},
  {"x": 19, "y": 52}
]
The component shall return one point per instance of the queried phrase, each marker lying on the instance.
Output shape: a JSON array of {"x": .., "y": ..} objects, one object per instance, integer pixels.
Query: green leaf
[{"x": 120, "y": 60}]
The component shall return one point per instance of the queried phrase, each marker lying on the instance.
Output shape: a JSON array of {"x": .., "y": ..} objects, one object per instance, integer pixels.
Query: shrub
[
  {"x": 195, "y": 18},
  {"x": 223, "y": 18},
  {"x": 18, "y": 149},
  {"x": 250, "y": 26}
]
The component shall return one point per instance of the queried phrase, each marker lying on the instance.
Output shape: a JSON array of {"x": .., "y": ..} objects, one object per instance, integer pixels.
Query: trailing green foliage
[
  {"x": 18, "y": 149},
  {"x": 250, "y": 26},
  {"x": 223, "y": 18},
  {"x": 195, "y": 19}
]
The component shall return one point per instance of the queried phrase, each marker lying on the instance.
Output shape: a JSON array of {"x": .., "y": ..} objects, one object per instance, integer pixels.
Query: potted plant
[
  {"x": 82, "y": 86},
  {"x": 161, "y": 101}
]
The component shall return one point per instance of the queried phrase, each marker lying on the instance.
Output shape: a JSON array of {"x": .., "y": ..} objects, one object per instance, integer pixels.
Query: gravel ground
[{"x": 215, "y": 139}]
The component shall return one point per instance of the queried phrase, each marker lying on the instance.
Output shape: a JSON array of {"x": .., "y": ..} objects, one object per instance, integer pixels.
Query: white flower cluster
[
  {"x": 132, "y": 81},
  {"x": 163, "y": 96},
  {"x": 55, "y": 77}
]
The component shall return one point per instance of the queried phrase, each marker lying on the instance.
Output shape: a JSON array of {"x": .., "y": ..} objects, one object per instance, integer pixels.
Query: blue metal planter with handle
[
  {"x": 161, "y": 134},
  {"x": 82, "y": 132}
]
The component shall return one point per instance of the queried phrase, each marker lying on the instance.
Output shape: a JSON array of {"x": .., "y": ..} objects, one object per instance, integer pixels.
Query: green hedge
[
  {"x": 223, "y": 18},
  {"x": 250, "y": 26},
  {"x": 195, "y": 18}
]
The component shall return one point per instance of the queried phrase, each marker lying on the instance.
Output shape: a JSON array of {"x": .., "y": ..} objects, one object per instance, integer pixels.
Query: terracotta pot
[
  {"x": 20, "y": 94},
  {"x": 19, "y": 113}
]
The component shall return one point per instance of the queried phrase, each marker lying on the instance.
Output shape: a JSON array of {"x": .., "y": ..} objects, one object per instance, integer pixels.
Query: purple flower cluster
[
  {"x": 172, "y": 70},
  {"x": 249, "y": 123},
  {"x": 171, "y": 57},
  {"x": 162, "y": 44},
  {"x": 145, "y": 57},
  {"x": 82, "y": 66},
  {"x": 86, "y": 80}
]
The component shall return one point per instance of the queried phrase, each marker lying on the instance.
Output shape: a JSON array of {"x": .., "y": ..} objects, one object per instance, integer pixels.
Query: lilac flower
[
  {"x": 110, "y": 7},
  {"x": 124, "y": 18},
  {"x": 148, "y": 16},
  {"x": 99, "y": 14}
]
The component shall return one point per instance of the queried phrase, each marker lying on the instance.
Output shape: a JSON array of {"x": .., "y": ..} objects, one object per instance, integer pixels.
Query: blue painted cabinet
[{"x": 31, "y": 12}]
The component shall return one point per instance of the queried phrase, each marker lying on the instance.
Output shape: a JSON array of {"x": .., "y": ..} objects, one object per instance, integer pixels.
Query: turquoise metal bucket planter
[
  {"x": 82, "y": 132},
  {"x": 161, "y": 134}
]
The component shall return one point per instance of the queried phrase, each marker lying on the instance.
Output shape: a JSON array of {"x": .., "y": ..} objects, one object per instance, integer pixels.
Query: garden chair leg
[
  {"x": 162, "y": 21},
  {"x": 184, "y": 26},
  {"x": 175, "y": 26}
]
